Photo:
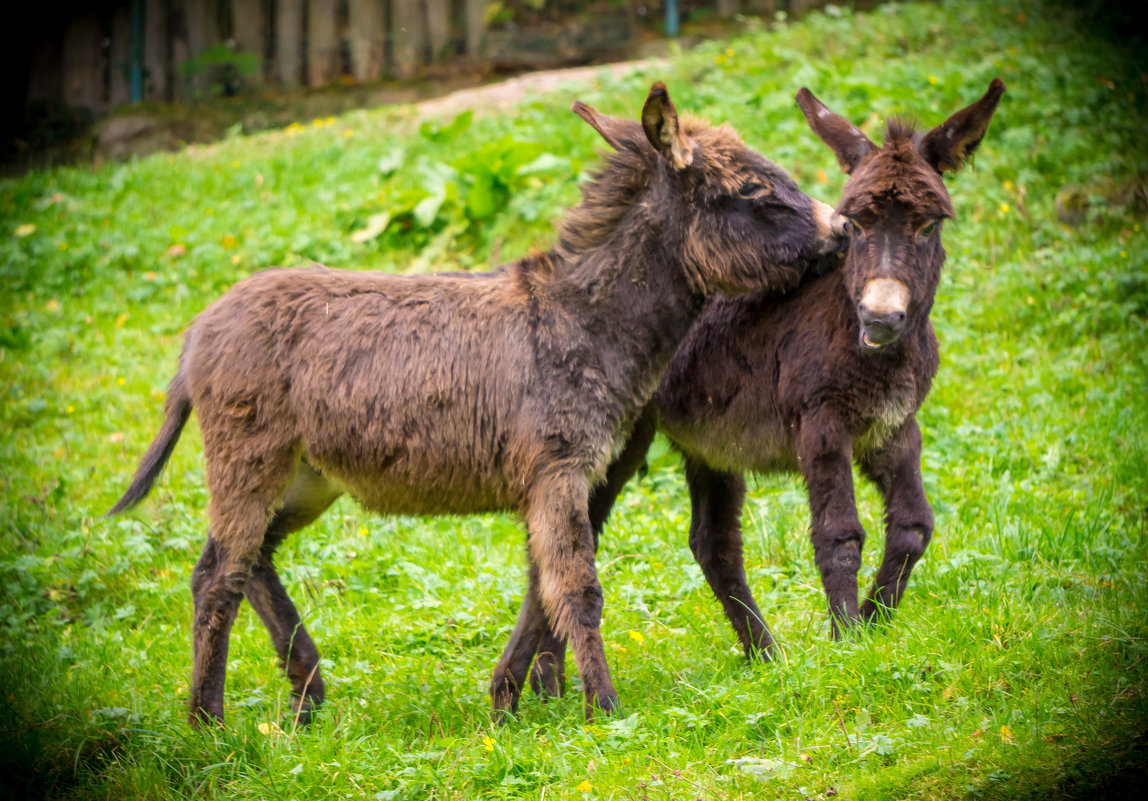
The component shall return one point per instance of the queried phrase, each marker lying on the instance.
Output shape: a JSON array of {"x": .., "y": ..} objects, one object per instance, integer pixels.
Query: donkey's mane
[
  {"x": 607, "y": 196},
  {"x": 900, "y": 129},
  {"x": 898, "y": 172}
]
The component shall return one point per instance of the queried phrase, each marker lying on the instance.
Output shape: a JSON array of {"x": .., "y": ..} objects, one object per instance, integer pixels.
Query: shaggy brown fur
[
  {"x": 813, "y": 380},
  {"x": 470, "y": 393}
]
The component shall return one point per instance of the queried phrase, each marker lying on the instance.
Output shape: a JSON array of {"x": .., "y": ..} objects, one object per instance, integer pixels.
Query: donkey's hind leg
[
  {"x": 510, "y": 675},
  {"x": 715, "y": 539},
  {"x": 308, "y": 497},
  {"x": 896, "y": 470},
  {"x": 244, "y": 488}
]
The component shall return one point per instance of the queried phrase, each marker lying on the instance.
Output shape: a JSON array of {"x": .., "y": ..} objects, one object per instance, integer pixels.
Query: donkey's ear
[
  {"x": 949, "y": 145},
  {"x": 843, "y": 137},
  {"x": 660, "y": 122},
  {"x": 612, "y": 129}
]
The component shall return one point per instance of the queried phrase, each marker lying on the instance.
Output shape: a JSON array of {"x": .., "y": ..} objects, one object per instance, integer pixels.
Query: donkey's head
[
  {"x": 895, "y": 202},
  {"x": 732, "y": 219}
]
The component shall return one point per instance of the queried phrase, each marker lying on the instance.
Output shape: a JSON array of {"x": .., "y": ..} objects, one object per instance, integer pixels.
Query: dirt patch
[{"x": 510, "y": 92}]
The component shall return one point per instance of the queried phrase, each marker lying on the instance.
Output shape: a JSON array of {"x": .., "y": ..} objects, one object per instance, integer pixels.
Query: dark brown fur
[
  {"x": 469, "y": 393},
  {"x": 768, "y": 383}
]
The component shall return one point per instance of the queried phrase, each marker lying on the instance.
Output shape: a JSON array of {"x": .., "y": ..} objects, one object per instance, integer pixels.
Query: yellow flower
[
  {"x": 488, "y": 742},
  {"x": 1008, "y": 186},
  {"x": 1124, "y": 254},
  {"x": 585, "y": 786},
  {"x": 933, "y": 80},
  {"x": 70, "y": 408},
  {"x": 363, "y": 531},
  {"x": 236, "y": 259},
  {"x": 348, "y": 133},
  {"x": 236, "y": 164},
  {"x": 1004, "y": 208},
  {"x": 637, "y": 637},
  {"x": 121, "y": 381},
  {"x": 27, "y": 229},
  {"x": 63, "y": 246},
  {"x": 1007, "y": 735}
]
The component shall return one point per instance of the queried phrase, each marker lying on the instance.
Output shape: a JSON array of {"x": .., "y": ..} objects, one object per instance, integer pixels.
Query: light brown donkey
[{"x": 470, "y": 393}]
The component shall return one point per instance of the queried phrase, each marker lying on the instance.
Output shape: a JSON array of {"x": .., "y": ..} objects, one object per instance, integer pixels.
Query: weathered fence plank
[
  {"x": 83, "y": 63},
  {"x": 119, "y": 57},
  {"x": 407, "y": 36},
  {"x": 475, "y": 28},
  {"x": 438, "y": 28},
  {"x": 202, "y": 33},
  {"x": 156, "y": 50},
  {"x": 247, "y": 31},
  {"x": 322, "y": 43},
  {"x": 366, "y": 34},
  {"x": 289, "y": 41},
  {"x": 727, "y": 8}
]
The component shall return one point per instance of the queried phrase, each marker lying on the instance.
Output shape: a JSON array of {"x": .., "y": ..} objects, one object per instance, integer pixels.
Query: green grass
[{"x": 1015, "y": 668}]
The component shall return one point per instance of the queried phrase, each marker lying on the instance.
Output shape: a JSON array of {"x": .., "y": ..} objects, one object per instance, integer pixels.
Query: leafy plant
[{"x": 470, "y": 189}]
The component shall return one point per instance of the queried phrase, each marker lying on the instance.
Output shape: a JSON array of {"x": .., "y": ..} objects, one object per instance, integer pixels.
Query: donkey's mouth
[{"x": 876, "y": 341}]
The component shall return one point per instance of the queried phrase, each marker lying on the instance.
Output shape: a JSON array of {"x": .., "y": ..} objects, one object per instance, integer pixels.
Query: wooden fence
[{"x": 98, "y": 57}]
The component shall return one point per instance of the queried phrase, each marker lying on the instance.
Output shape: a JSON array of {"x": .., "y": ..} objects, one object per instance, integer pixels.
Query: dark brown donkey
[
  {"x": 810, "y": 381},
  {"x": 454, "y": 394}
]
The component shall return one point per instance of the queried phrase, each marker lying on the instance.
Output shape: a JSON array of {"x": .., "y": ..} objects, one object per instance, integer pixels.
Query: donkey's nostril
[{"x": 838, "y": 225}]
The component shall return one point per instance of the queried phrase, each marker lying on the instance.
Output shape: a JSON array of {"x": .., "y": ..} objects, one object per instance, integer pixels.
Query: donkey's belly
[
  {"x": 397, "y": 491},
  {"x": 724, "y": 444}
]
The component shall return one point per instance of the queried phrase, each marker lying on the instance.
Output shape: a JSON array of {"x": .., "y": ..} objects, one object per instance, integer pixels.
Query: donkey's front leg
[
  {"x": 548, "y": 676},
  {"x": 561, "y": 544},
  {"x": 824, "y": 453},
  {"x": 896, "y": 470}
]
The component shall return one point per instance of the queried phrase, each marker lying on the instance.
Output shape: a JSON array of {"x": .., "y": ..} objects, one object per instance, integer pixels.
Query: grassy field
[{"x": 1015, "y": 669}]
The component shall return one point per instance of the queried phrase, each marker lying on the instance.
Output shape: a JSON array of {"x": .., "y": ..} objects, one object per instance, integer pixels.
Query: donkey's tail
[{"x": 177, "y": 407}]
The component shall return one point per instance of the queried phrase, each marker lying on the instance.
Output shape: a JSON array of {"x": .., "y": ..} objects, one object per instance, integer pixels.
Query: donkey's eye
[
  {"x": 853, "y": 229},
  {"x": 751, "y": 190},
  {"x": 928, "y": 230}
]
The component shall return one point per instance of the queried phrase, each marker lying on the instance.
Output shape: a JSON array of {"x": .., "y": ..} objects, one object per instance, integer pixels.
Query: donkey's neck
[{"x": 634, "y": 302}]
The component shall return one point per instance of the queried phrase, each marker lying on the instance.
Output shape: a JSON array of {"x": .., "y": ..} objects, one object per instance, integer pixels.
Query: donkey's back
[{"x": 413, "y": 393}]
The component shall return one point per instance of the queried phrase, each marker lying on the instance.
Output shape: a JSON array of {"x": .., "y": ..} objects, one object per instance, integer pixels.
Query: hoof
[
  {"x": 764, "y": 652},
  {"x": 873, "y": 612},
  {"x": 504, "y": 702},
  {"x": 547, "y": 679},
  {"x": 306, "y": 711},
  {"x": 608, "y": 705},
  {"x": 202, "y": 720}
]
